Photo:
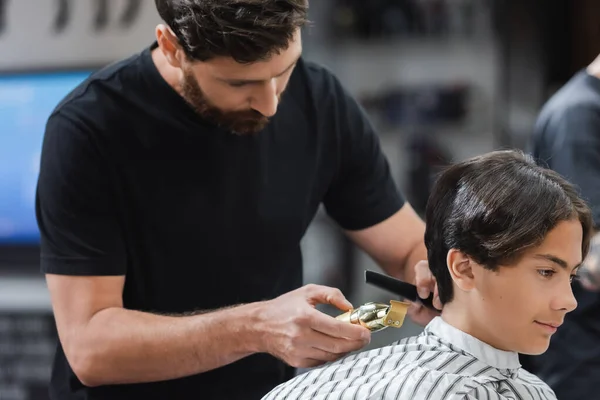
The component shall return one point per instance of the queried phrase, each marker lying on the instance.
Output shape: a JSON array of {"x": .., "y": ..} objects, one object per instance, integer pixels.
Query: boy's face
[{"x": 519, "y": 307}]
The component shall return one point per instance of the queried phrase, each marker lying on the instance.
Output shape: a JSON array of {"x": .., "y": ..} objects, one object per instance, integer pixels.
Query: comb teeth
[{"x": 402, "y": 289}]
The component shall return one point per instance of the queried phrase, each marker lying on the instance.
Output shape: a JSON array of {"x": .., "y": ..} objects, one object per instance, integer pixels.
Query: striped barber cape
[{"x": 442, "y": 363}]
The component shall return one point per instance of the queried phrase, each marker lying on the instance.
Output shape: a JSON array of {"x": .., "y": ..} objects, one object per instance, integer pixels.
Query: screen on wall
[{"x": 26, "y": 101}]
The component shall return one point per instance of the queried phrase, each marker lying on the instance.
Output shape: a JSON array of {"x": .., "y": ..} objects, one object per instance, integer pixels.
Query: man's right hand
[{"x": 291, "y": 329}]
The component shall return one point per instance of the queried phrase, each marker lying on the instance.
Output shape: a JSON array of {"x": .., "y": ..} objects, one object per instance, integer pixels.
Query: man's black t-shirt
[
  {"x": 567, "y": 139},
  {"x": 132, "y": 182}
]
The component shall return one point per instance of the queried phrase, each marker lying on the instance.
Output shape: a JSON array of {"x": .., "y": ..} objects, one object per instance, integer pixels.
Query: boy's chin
[{"x": 534, "y": 349}]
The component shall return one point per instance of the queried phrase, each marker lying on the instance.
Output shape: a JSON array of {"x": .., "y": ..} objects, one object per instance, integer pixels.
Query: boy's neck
[{"x": 459, "y": 317}]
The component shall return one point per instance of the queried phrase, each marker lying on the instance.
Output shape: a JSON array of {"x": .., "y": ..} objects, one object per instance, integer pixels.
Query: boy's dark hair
[
  {"x": 246, "y": 30},
  {"x": 494, "y": 207}
]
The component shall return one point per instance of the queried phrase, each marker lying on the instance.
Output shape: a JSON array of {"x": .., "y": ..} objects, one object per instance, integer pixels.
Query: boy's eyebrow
[{"x": 558, "y": 261}]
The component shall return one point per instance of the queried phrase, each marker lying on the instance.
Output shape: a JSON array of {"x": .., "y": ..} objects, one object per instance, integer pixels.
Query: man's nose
[{"x": 265, "y": 100}]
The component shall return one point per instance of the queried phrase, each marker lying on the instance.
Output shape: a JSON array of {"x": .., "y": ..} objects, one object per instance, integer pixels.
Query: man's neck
[{"x": 170, "y": 74}]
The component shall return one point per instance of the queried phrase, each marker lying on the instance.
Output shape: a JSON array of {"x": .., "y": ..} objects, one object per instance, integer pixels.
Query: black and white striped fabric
[{"x": 442, "y": 363}]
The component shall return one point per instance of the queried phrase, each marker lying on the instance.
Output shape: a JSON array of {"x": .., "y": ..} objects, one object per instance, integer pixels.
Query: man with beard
[{"x": 174, "y": 190}]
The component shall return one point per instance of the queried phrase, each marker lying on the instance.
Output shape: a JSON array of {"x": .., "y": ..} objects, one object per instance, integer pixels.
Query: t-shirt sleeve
[
  {"x": 363, "y": 192},
  {"x": 576, "y": 154},
  {"x": 75, "y": 205}
]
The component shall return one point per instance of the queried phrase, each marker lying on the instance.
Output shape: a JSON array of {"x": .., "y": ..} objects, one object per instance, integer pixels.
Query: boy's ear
[{"x": 460, "y": 267}]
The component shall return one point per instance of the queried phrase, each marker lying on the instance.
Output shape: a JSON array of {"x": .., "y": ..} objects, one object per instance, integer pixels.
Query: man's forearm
[
  {"x": 405, "y": 271},
  {"x": 418, "y": 253},
  {"x": 125, "y": 346}
]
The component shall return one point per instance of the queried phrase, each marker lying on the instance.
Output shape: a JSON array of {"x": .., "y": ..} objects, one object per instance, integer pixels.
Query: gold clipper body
[{"x": 377, "y": 316}]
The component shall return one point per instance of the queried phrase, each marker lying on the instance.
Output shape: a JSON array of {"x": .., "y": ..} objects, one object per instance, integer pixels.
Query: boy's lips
[{"x": 550, "y": 326}]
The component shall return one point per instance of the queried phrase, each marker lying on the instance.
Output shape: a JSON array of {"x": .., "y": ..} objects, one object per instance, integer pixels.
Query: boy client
[{"x": 504, "y": 239}]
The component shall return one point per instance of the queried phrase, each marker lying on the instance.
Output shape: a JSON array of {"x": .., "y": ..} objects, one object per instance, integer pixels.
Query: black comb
[{"x": 402, "y": 289}]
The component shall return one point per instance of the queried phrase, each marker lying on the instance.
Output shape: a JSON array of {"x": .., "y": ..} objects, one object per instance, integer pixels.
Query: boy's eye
[
  {"x": 237, "y": 84},
  {"x": 546, "y": 273}
]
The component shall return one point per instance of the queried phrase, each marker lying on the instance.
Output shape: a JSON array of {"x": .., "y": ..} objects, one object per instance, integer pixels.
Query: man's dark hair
[
  {"x": 493, "y": 208},
  {"x": 246, "y": 30}
]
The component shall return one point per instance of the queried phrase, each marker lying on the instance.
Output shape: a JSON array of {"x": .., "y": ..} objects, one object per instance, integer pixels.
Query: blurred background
[{"x": 442, "y": 80}]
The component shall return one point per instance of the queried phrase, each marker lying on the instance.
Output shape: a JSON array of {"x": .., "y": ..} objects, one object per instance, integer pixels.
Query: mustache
[
  {"x": 248, "y": 115},
  {"x": 241, "y": 122}
]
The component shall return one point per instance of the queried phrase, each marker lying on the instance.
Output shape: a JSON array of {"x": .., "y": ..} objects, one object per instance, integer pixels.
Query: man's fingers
[
  {"x": 437, "y": 303},
  {"x": 436, "y": 298},
  {"x": 423, "y": 291},
  {"x": 335, "y": 346},
  {"x": 414, "y": 309},
  {"x": 310, "y": 363},
  {"x": 324, "y": 356},
  {"x": 330, "y": 326},
  {"x": 318, "y": 294},
  {"x": 424, "y": 280},
  {"x": 318, "y": 348},
  {"x": 420, "y": 314}
]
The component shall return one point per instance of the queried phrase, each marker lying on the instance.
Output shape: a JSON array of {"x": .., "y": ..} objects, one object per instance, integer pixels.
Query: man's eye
[{"x": 237, "y": 84}]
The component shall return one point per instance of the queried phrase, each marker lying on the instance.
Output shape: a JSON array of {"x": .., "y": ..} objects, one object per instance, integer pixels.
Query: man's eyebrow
[
  {"x": 558, "y": 261},
  {"x": 250, "y": 81}
]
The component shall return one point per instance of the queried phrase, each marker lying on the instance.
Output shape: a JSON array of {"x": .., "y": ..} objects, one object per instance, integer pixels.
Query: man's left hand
[{"x": 426, "y": 284}]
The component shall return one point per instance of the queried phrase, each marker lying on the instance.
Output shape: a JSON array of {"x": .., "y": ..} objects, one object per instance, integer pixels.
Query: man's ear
[
  {"x": 460, "y": 267},
  {"x": 168, "y": 43}
]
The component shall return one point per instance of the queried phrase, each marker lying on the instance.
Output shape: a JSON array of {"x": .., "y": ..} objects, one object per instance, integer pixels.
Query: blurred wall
[
  {"x": 370, "y": 67},
  {"x": 58, "y": 33}
]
